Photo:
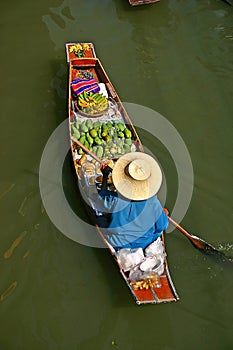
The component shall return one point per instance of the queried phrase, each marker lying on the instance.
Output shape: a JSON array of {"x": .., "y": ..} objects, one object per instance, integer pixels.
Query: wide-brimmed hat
[{"x": 137, "y": 176}]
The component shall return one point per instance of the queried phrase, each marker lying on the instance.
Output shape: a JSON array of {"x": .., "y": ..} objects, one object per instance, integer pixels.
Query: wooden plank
[
  {"x": 144, "y": 296},
  {"x": 164, "y": 292}
]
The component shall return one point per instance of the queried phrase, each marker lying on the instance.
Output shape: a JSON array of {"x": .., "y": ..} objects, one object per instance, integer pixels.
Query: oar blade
[
  {"x": 201, "y": 244},
  {"x": 208, "y": 248}
]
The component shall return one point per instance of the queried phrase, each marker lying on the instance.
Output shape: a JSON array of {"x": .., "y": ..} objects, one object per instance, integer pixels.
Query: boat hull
[
  {"x": 142, "y": 2},
  {"x": 165, "y": 291}
]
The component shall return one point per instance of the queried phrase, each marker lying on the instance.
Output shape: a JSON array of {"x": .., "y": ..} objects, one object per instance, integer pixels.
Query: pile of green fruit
[{"x": 109, "y": 140}]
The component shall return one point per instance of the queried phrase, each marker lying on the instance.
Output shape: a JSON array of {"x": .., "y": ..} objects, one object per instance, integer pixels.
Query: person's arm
[
  {"x": 105, "y": 171},
  {"x": 104, "y": 184},
  {"x": 109, "y": 197}
]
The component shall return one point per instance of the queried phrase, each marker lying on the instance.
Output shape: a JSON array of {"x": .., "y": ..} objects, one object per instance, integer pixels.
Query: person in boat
[{"x": 134, "y": 216}]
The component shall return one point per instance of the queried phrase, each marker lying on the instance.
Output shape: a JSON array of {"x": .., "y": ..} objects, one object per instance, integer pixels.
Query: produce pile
[
  {"x": 109, "y": 140},
  {"x": 152, "y": 281},
  {"x": 91, "y": 103}
]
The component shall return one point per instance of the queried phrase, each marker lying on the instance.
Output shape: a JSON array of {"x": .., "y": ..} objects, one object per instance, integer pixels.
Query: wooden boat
[
  {"x": 162, "y": 288},
  {"x": 142, "y": 2}
]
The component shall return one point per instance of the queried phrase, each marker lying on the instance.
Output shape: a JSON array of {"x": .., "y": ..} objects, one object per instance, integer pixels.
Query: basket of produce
[
  {"x": 91, "y": 104},
  {"x": 88, "y": 99}
]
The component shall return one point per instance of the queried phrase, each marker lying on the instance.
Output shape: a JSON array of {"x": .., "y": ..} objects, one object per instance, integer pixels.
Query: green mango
[
  {"x": 127, "y": 133},
  {"x": 89, "y": 138},
  {"x": 86, "y": 144},
  {"x": 97, "y": 141},
  {"x": 82, "y": 139},
  {"x": 109, "y": 125},
  {"x": 99, "y": 133},
  {"x": 97, "y": 125},
  {"x": 116, "y": 127},
  {"x": 104, "y": 128},
  {"x": 89, "y": 124},
  {"x": 77, "y": 124},
  {"x": 126, "y": 148},
  {"x": 84, "y": 128},
  {"x": 129, "y": 141},
  {"x": 73, "y": 128},
  {"x": 121, "y": 126},
  {"x": 76, "y": 135},
  {"x": 100, "y": 151},
  {"x": 120, "y": 134},
  {"x": 75, "y": 132},
  {"x": 93, "y": 133}
]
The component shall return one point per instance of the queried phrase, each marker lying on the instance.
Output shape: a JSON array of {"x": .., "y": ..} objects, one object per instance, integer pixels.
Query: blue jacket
[{"x": 133, "y": 224}]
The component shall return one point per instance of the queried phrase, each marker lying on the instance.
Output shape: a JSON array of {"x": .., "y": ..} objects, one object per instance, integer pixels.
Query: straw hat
[{"x": 137, "y": 176}]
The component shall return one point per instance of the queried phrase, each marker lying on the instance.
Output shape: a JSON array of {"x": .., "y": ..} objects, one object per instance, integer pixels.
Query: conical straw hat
[{"x": 137, "y": 176}]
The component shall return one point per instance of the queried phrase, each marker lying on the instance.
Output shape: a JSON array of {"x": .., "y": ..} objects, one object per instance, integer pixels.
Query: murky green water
[{"x": 174, "y": 57}]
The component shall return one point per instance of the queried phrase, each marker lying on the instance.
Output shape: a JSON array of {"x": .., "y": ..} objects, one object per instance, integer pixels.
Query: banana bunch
[
  {"x": 150, "y": 282},
  {"x": 92, "y": 103}
]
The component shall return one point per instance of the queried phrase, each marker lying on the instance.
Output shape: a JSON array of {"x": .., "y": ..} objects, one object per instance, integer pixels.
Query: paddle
[
  {"x": 86, "y": 149},
  {"x": 196, "y": 241}
]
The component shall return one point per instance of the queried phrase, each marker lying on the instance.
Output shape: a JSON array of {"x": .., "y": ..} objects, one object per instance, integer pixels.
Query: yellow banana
[{"x": 83, "y": 103}]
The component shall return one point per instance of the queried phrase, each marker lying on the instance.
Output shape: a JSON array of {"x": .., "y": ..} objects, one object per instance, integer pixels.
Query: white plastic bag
[
  {"x": 155, "y": 248},
  {"x": 129, "y": 258}
]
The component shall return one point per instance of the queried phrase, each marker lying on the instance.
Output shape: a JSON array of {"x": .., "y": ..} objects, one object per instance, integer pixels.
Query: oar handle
[{"x": 180, "y": 228}]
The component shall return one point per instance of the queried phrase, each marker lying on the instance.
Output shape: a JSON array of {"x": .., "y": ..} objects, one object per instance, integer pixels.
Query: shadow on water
[
  {"x": 59, "y": 87},
  {"x": 112, "y": 279}
]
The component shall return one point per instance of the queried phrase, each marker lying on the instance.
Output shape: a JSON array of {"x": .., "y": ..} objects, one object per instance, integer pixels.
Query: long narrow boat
[
  {"x": 142, "y": 2},
  {"x": 90, "y": 142}
]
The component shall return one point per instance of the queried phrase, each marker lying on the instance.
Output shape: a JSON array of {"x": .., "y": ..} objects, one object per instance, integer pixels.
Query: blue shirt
[{"x": 133, "y": 224}]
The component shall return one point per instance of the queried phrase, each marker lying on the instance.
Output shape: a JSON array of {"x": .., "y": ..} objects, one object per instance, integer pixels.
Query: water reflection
[
  {"x": 8, "y": 291},
  {"x": 16, "y": 242},
  {"x": 6, "y": 188}
]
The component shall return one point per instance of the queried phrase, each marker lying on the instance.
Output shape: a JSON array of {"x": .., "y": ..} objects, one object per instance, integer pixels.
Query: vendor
[{"x": 134, "y": 216}]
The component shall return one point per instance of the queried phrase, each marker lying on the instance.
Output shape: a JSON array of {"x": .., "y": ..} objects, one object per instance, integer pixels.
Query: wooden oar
[
  {"x": 85, "y": 149},
  {"x": 197, "y": 242}
]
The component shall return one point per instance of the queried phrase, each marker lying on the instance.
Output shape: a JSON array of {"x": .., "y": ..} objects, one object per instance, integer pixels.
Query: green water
[{"x": 174, "y": 57}]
